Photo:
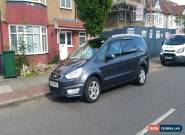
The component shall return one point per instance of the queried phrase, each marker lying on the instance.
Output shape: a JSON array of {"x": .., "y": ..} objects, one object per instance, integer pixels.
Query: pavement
[
  {"x": 23, "y": 89},
  {"x": 124, "y": 110}
]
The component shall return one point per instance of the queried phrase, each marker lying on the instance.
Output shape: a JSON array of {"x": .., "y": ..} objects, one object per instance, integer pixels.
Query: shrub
[{"x": 56, "y": 60}]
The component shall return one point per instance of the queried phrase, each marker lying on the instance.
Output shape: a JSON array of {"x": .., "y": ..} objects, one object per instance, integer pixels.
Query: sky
[{"x": 181, "y": 2}]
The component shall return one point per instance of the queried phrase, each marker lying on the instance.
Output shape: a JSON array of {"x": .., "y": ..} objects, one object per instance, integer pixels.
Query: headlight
[
  {"x": 74, "y": 74},
  {"x": 181, "y": 50},
  {"x": 161, "y": 51}
]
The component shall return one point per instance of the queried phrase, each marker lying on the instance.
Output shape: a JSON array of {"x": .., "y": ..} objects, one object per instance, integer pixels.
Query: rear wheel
[
  {"x": 92, "y": 90},
  {"x": 141, "y": 77}
]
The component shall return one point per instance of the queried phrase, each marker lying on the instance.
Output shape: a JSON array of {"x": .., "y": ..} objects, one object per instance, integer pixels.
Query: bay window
[
  {"x": 66, "y": 4},
  {"x": 35, "y": 1},
  {"x": 33, "y": 37}
]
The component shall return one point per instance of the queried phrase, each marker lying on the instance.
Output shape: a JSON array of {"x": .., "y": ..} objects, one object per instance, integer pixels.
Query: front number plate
[
  {"x": 168, "y": 58},
  {"x": 53, "y": 84}
]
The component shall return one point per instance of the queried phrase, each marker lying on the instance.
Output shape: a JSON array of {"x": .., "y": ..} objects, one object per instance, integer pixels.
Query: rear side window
[
  {"x": 176, "y": 40},
  {"x": 127, "y": 45},
  {"x": 140, "y": 43}
]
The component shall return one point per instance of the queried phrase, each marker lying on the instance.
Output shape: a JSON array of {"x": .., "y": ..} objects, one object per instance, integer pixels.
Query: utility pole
[{"x": 1, "y": 32}]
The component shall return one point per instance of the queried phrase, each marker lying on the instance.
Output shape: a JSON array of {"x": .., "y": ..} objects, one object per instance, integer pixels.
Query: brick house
[
  {"x": 163, "y": 14},
  {"x": 48, "y": 28}
]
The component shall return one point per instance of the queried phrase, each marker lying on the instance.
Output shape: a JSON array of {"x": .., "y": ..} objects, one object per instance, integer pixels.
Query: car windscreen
[
  {"x": 175, "y": 40},
  {"x": 88, "y": 50}
]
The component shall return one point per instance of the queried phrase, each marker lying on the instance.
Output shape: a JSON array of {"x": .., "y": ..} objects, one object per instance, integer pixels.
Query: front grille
[
  {"x": 169, "y": 54},
  {"x": 169, "y": 50}
]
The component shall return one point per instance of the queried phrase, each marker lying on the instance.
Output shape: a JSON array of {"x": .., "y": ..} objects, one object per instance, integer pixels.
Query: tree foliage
[{"x": 94, "y": 14}]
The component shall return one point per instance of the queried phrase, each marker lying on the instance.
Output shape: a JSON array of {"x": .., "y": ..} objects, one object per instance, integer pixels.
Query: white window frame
[
  {"x": 40, "y": 34},
  {"x": 82, "y": 36},
  {"x": 71, "y": 45},
  {"x": 44, "y": 2},
  {"x": 159, "y": 20},
  {"x": 65, "y": 32},
  {"x": 65, "y": 7}
]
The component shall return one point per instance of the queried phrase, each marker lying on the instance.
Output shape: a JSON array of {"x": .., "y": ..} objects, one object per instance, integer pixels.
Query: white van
[{"x": 173, "y": 49}]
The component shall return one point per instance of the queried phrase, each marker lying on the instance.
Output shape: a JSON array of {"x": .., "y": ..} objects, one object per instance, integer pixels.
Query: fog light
[{"x": 73, "y": 91}]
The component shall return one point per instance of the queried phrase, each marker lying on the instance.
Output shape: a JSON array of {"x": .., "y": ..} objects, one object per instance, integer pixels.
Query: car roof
[
  {"x": 125, "y": 36},
  {"x": 180, "y": 34}
]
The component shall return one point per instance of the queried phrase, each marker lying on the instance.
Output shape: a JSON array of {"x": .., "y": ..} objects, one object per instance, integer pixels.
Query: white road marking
[
  {"x": 5, "y": 89},
  {"x": 157, "y": 121}
]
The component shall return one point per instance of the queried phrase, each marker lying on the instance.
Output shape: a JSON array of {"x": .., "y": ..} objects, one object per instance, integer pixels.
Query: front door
[
  {"x": 63, "y": 49},
  {"x": 111, "y": 69}
]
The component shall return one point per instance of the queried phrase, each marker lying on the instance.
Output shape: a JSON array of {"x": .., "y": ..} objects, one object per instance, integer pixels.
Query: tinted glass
[
  {"x": 114, "y": 49},
  {"x": 175, "y": 40},
  {"x": 140, "y": 43},
  {"x": 88, "y": 49},
  {"x": 102, "y": 52},
  {"x": 127, "y": 45}
]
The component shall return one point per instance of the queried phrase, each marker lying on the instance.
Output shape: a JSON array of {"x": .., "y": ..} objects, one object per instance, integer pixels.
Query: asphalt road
[{"x": 121, "y": 111}]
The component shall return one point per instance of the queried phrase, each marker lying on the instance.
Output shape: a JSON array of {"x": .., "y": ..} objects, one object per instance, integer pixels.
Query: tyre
[
  {"x": 141, "y": 77},
  {"x": 92, "y": 90},
  {"x": 163, "y": 63}
]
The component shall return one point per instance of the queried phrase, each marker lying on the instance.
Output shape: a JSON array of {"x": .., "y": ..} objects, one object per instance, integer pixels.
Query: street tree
[{"x": 94, "y": 14}]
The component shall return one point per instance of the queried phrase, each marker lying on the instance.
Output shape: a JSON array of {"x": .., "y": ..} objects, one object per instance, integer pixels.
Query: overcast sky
[{"x": 181, "y": 2}]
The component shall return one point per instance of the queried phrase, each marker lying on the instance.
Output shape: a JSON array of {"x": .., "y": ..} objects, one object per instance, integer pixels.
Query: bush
[
  {"x": 19, "y": 61},
  {"x": 56, "y": 60}
]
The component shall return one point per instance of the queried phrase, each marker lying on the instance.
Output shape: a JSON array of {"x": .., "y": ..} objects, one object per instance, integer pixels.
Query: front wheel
[
  {"x": 163, "y": 63},
  {"x": 141, "y": 77},
  {"x": 92, "y": 90}
]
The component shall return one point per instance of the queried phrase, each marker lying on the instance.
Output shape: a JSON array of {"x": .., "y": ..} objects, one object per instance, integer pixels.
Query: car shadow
[
  {"x": 174, "y": 64},
  {"x": 59, "y": 99}
]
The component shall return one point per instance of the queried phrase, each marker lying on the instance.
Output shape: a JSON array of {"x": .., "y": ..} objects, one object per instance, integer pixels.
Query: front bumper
[
  {"x": 64, "y": 86},
  {"x": 173, "y": 58}
]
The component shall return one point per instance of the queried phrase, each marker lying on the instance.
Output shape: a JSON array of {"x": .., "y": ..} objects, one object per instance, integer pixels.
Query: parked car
[
  {"x": 173, "y": 49},
  {"x": 101, "y": 64}
]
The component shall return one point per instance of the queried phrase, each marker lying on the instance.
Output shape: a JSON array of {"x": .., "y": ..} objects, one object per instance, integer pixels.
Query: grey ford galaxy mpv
[{"x": 101, "y": 64}]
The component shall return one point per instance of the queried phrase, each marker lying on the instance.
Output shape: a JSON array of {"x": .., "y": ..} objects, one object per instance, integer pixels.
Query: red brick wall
[
  {"x": 26, "y": 13},
  {"x": 53, "y": 47},
  {"x": 75, "y": 43},
  {"x": 1, "y": 41},
  {"x": 5, "y": 36},
  {"x": 36, "y": 59}
]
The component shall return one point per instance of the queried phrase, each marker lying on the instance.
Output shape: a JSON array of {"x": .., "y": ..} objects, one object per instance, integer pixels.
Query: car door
[
  {"x": 128, "y": 59},
  {"x": 110, "y": 68}
]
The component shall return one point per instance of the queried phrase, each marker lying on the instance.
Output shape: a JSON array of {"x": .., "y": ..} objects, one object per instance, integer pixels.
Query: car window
[
  {"x": 114, "y": 49},
  {"x": 175, "y": 40},
  {"x": 127, "y": 45},
  {"x": 140, "y": 43},
  {"x": 102, "y": 52}
]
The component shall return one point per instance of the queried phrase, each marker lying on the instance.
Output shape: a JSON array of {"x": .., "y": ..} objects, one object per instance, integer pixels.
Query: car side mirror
[
  {"x": 162, "y": 43},
  {"x": 109, "y": 57}
]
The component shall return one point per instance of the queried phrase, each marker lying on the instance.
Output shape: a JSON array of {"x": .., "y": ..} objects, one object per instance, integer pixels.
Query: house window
[
  {"x": 66, "y": 4},
  {"x": 69, "y": 38},
  {"x": 35, "y": 1},
  {"x": 32, "y": 37},
  {"x": 82, "y": 37}
]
